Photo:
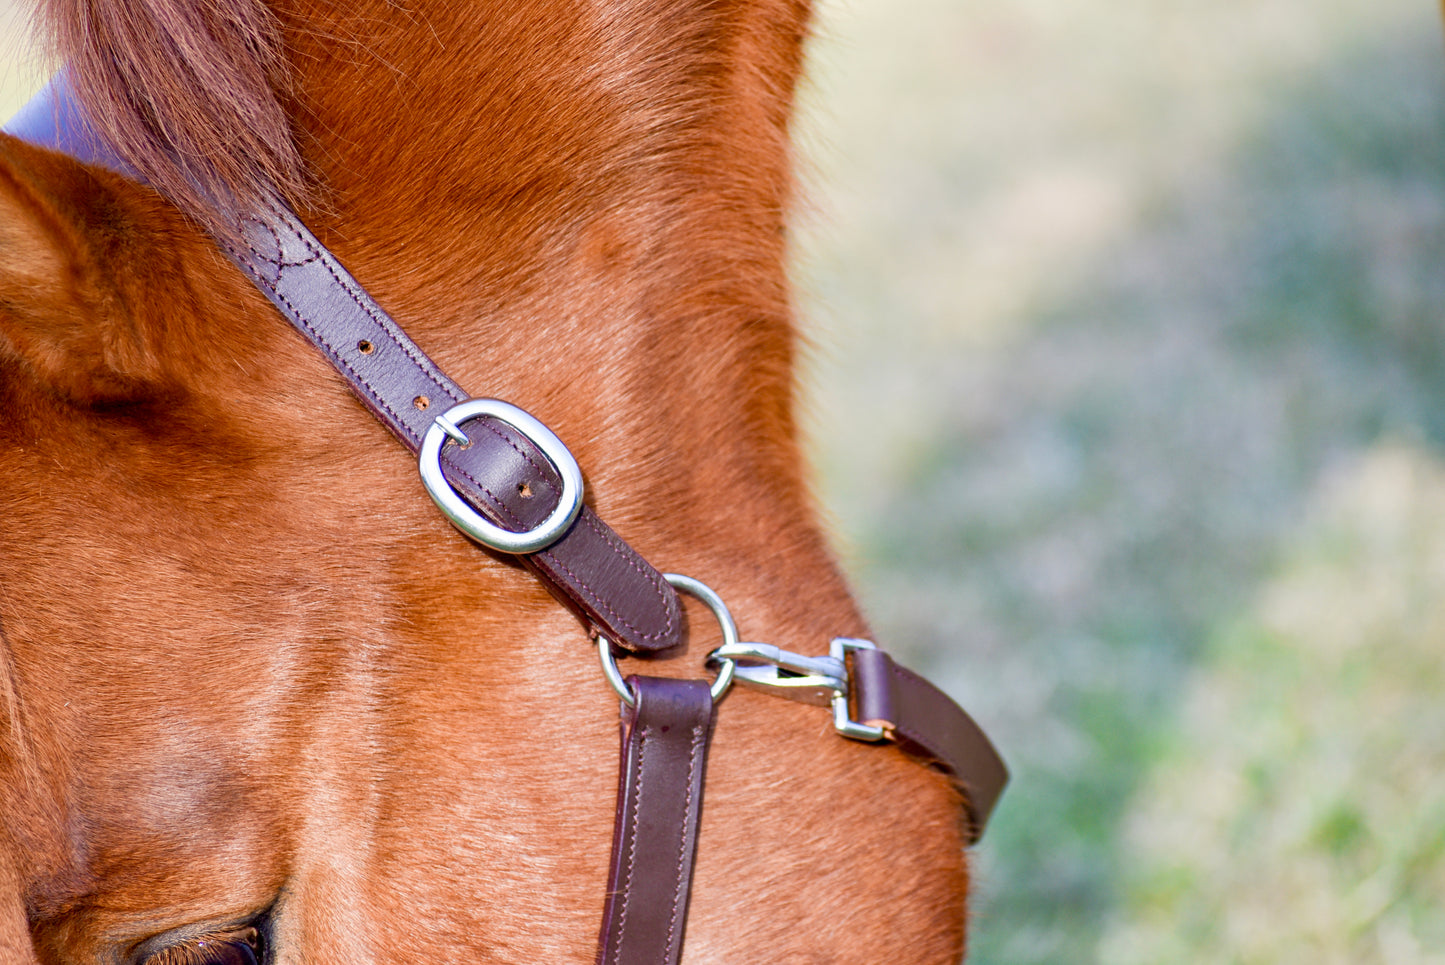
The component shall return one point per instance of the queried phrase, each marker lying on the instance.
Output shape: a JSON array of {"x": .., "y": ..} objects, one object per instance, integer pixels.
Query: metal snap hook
[{"x": 813, "y": 680}]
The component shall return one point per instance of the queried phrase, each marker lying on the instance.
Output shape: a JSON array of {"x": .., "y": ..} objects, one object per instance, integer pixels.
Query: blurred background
[{"x": 1127, "y": 392}]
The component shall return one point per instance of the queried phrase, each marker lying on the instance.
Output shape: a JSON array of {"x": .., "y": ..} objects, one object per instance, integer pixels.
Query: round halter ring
[
  {"x": 719, "y": 610},
  {"x": 463, "y": 517}
]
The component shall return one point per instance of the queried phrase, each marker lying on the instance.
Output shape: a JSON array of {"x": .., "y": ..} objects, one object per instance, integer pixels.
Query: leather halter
[{"x": 507, "y": 482}]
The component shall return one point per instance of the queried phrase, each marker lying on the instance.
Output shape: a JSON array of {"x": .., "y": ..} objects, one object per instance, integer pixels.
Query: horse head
[{"x": 258, "y": 701}]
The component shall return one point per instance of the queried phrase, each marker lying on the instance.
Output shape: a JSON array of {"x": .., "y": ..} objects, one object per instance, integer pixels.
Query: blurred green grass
[
  {"x": 1120, "y": 307},
  {"x": 1299, "y": 815},
  {"x": 1128, "y": 393}
]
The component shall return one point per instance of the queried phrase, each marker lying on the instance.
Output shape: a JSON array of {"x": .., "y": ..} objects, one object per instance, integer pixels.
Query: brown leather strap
[
  {"x": 659, "y": 800},
  {"x": 501, "y": 473},
  {"x": 927, "y": 723}
]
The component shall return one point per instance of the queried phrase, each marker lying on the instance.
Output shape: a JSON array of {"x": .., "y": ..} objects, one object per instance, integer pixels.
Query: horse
[{"x": 259, "y": 701}]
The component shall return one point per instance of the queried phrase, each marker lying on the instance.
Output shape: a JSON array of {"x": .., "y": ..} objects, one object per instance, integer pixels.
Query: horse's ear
[{"x": 61, "y": 312}]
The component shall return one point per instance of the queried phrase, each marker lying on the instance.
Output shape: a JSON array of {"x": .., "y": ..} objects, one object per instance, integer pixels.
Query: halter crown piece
[{"x": 480, "y": 461}]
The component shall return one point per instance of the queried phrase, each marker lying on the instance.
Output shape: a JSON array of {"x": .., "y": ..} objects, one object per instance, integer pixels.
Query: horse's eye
[
  {"x": 234, "y": 947},
  {"x": 225, "y": 953}
]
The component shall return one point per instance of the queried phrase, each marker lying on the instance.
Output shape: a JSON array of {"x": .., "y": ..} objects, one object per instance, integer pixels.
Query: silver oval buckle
[{"x": 468, "y": 520}]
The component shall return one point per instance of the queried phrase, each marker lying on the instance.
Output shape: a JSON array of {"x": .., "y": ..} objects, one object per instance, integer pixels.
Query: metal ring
[
  {"x": 719, "y": 609},
  {"x": 463, "y": 516}
]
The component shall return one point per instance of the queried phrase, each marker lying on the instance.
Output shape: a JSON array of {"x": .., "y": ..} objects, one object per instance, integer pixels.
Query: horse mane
[{"x": 190, "y": 93}]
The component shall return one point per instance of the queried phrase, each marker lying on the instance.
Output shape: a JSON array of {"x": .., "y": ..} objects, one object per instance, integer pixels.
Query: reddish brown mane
[{"x": 190, "y": 92}]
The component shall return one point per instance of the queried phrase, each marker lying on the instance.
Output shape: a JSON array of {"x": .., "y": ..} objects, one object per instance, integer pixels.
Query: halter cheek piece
[{"x": 507, "y": 482}]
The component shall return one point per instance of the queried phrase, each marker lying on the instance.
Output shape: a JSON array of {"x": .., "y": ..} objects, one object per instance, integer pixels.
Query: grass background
[
  {"x": 1130, "y": 402},
  {"x": 1128, "y": 397}
]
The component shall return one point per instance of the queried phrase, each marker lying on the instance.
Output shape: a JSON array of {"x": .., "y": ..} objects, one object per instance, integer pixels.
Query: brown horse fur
[{"x": 247, "y": 673}]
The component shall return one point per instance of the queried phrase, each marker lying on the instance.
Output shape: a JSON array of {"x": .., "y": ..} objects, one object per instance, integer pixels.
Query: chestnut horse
[{"x": 251, "y": 683}]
